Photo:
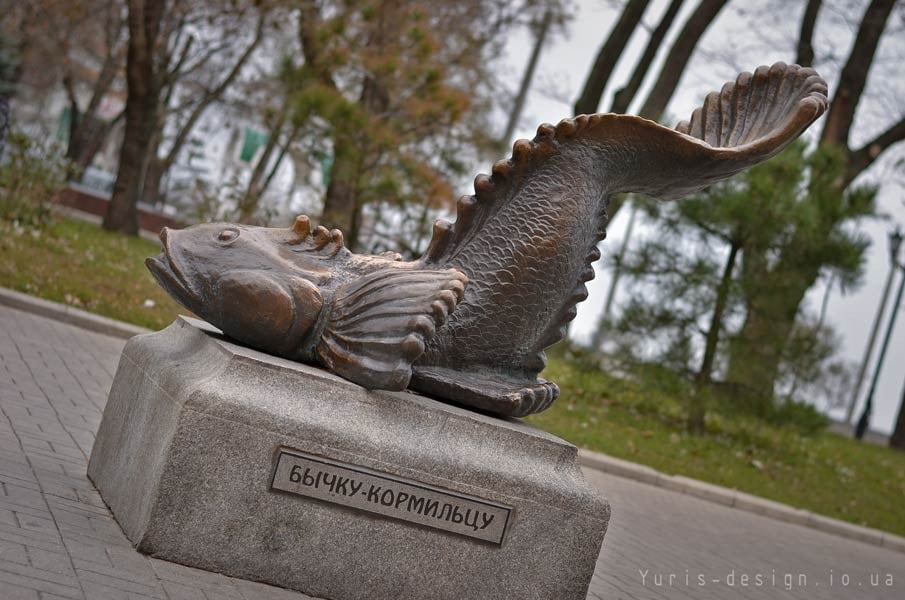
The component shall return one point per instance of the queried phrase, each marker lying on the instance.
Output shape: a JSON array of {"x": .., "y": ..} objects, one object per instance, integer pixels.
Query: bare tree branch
[
  {"x": 310, "y": 21},
  {"x": 213, "y": 94},
  {"x": 678, "y": 57},
  {"x": 805, "y": 52},
  {"x": 173, "y": 74},
  {"x": 859, "y": 160},
  {"x": 608, "y": 56},
  {"x": 625, "y": 95}
]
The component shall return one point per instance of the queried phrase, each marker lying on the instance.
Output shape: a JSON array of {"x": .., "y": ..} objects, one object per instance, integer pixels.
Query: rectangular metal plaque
[{"x": 388, "y": 495}]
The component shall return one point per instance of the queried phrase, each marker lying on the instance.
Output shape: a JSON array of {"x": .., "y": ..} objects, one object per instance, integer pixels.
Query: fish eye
[{"x": 227, "y": 235}]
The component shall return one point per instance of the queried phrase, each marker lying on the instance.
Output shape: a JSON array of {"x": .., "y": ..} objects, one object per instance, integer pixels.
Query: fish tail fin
[
  {"x": 745, "y": 123},
  {"x": 379, "y": 324}
]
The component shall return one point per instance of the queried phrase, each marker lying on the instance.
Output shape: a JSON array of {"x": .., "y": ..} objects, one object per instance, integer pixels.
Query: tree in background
[
  {"x": 403, "y": 92},
  {"x": 171, "y": 47},
  {"x": 96, "y": 28},
  {"x": 608, "y": 55},
  {"x": 7, "y": 87},
  {"x": 664, "y": 87},
  {"x": 78, "y": 45},
  {"x": 695, "y": 280},
  {"x": 12, "y": 42},
  {"x": 897, "y": 439},
  {"x": 221, "y": 56},
  {"x": 786, "y": 273},
  {"x": 672, "y": 69},
  {"x": 678, "y": 56},
  {"x": 265, "y": 168},
  {"x": 624, "y": 95},
  {"x": 145, "y": 74},
  {"x": 773, "y": 319}
]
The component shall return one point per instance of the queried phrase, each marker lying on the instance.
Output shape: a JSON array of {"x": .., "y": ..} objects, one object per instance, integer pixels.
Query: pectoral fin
[{"x": 378, "y": 325}]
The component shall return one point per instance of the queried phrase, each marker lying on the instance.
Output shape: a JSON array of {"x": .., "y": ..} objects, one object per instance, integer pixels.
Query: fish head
[{"x": 256, "y": 284}]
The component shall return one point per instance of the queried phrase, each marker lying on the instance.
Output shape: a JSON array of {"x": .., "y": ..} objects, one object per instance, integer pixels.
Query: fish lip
[
  {"x": 171, "y": 266},
  {"x": 161, "y": 268},
  {"x": 165, "y": 270}
]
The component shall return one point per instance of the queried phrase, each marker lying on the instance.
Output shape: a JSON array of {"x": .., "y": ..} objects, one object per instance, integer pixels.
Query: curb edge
[{"x": 68, "y": 314}]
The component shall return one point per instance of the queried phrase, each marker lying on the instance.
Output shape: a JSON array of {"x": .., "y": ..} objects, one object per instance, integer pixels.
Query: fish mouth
[{"x": 168, "y": 275}]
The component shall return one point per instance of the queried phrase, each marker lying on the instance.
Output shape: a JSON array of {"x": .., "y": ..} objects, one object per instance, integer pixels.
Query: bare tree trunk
[
  {"x": 88, "y": 131},
  {"x": 897, "y": 439},
  {"x": 755, "y": 359},
  {"x": 151, "y": 192},
  {"x": 697, "y": 408},
  {"x": 340, "y": 204},
  {"x": 716, "y": 320},
  {"x": 805, "y": 52},
  {"x": 4, "y": 121},
  {"x": 342, "y": 209},
  {"x": 87, "y": 139},
  {"x": 625, "y": 95},
  {"x": 154, "y": 172},
  {"x": 757, "y": 351},
  {"x": 603, "y": 320},
  {"x": 821, "y": 318},
  {"x": 540, "y": 35},
  {"x": 284, "y": 149},
  {"x": 853, "y": 78},
  {"x": 158, "y": 167},
  {"x": 671, "y": 72},
  {"x": 142, "y": 105},
  {"x": 621, "y": 101},
  {"x": 122, "y": 214},
  {"x": 249, "y": 205},
  {"x": 678, "y": 57},
  {"x": 608, "y": 56}
]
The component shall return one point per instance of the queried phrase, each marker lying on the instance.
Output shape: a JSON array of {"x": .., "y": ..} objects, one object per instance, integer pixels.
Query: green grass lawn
[
  {"x": 640, "y": 421},
  {"x": 84, "y": 266},
  {"x": 822, "y": 472}
]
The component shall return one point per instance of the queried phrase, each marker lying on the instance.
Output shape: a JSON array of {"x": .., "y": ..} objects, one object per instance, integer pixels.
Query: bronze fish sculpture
[{"x": 469, "y": 320}]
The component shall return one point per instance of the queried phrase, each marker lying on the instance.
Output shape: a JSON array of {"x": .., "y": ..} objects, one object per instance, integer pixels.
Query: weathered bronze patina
[{"x": 469, "y": 320}]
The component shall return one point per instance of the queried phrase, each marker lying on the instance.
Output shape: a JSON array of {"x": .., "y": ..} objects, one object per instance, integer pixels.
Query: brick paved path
[{"x": 57, "y": 539}]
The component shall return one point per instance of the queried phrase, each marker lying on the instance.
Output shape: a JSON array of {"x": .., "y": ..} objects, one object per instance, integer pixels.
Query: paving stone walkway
[{"x": 58, "y": 540}]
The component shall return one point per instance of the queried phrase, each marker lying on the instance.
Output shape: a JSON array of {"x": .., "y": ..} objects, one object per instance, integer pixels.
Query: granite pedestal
[{"x": 224, "y": 458}]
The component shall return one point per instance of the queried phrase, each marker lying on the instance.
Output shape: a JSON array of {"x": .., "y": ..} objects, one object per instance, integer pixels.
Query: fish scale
[{"x": 525, "y": 240}]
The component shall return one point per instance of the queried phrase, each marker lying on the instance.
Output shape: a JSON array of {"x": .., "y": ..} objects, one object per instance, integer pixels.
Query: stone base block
[{"x": 220, "y": 457}]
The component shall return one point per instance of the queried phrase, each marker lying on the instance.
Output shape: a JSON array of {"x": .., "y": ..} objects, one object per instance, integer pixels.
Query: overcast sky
[{"x": 765, "y": 37}]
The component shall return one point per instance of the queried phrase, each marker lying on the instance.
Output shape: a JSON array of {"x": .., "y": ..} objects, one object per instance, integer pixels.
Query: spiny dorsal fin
[
  {"x": 505, "y": 181},
  {"x": 321, "y": 241},
  {"x": 378, "y": 325}
]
